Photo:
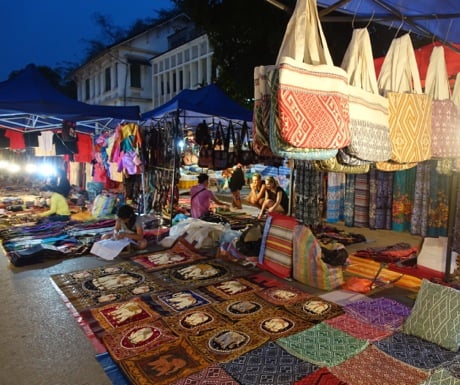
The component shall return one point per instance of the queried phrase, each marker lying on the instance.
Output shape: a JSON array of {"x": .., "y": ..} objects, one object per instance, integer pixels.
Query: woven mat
[
  {"x": 212, "y": 375},
  {"x": 106, "y": 284},
  {"x": 164, "y": 364},
  {"x": 114, "y": 315},
  {"x": 181, "y": 253},
  {"x": 276, "y": 323},
  {"x": 136, "y": 338},
  {"x": 310, "y": 345},
  {"x": 314, "y": 309},
  {"x": 244, "y": 307},
  {"x": 227, "y": 343},
  {"x": 196, "y": 321},
  {"x": 375, "y": 367},
  {"x": 415, "y": 351},
  {"x": 282, "y": 295},
  {"x": 168, "y": 303},
  {"x": 367, "y": 268},
  {"x": 381, "y": 312},
  {"x": 357, "y": 328},
  {"x": 268, "y": 364},
  {"x": 320, "y": 377},
  {"x": 232, "y": 288}
]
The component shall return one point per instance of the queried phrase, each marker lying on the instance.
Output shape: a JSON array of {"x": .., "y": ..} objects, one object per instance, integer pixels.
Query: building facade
[{"x": 148, "y": 69}]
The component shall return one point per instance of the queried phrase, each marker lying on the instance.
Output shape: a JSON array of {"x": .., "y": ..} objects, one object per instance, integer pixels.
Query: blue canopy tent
[
  {"x": 192, "y": 106},
  {"x": 436, "y": 20},
  {"x": 29, "y": 102}
]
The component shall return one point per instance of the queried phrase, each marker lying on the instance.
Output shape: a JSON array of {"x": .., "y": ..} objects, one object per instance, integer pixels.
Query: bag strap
[
  {"x": 399, "y": 72},
  {"x": 194, "y": 195},
  {"x": 456, "y": 92},
  {"x": 304, "y": 39},
  {"x": 219, "y": 134},
  {"x": 437, "y": 79},
  {"x": 358, "y": 61}
]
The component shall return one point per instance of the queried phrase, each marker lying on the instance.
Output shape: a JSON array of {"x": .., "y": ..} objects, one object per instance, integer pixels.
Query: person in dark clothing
[
  {"x": 61, "y": 184},
  {"x": 236, "y": 183},
  {"x": 276, "y": 199}
]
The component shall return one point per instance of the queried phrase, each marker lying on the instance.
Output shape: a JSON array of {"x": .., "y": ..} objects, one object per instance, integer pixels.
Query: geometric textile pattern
[
  {"x": 212, "y": 375},
  {"x": 453, "y": 366},
  {"x": 314, "y": 309},
  {"x": 375, "y": 367},
  {"x": 381, "y": 312},
  {"x": 323, "y": 345},
  {"x": 321, "y": 377},
  {"x": 415, "y": 351},
  {"x": 313, "y": 105},
  {"x": 163, "y": 365},
  {"x": 270, "y": 365},
  {"x": 410, "y": 117},
  {"x": 357, "y": 328},
  {"x": 105, "y": 284},
  {"x": 435, "y": 316},
  {"x": 441, "y": 377}
]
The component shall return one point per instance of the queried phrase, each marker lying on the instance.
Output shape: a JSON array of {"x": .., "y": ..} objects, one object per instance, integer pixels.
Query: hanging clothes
[
  {"x": 361, "y": 217},
  {"x": 403, "y": 199},
  {"x": 380, "y": 199}
]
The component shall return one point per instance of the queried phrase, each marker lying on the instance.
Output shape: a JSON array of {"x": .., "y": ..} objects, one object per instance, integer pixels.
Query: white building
[{"x": 148, "y": 69}]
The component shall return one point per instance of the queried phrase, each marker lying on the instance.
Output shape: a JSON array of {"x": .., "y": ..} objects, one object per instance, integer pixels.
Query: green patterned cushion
[{"x": 435, "y": 316}]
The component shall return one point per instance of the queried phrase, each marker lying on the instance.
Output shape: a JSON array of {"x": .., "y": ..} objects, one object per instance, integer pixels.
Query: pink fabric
[{"x": 200, "y": 200}]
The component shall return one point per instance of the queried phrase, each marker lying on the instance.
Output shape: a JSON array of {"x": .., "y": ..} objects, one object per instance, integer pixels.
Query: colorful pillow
[
  {"x": 435, "y": 316},
  {"x": 308, "y": 266},
  {"x": 277, "y": 256}
]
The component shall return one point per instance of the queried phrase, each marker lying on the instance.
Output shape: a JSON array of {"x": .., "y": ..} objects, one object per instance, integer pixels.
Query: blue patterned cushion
[{"x": 435, "y": 316}]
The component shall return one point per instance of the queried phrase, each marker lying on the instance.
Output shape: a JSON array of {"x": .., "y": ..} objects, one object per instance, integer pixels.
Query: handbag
[
  {"x": 312, "y": 93},
  {"x": 369, "y": 122},
  {"x": 246, "y": 154},
  {"x": 206, "y": 157},
  {"x": 261, "y": 115},
  {"x": 277, "y": 144},
  {"x": 220, "y": 150},
  {"x": 445, "y": 119},
  {"x": 333, "y": 165},
  {"x": 409, "y": 109}
]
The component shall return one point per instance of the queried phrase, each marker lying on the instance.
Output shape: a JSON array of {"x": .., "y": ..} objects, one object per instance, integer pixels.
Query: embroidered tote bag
[
  {"x": 369, "y": 125},
  {"x": 445, "y": 122},
  {"x": 409, "y": 109},
  {"x": 312, "y": 93},
  {"x": 220, "y": 150}
]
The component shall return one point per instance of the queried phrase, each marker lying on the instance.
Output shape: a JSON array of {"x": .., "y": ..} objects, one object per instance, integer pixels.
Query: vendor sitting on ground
[
  {"x": 276, "y": 199},
  {"x": 58, "y": 206},
  {"x": 257, "y": 195},
  {"x": 201, "y": 198},
  {"x": 128, "y": 225}
]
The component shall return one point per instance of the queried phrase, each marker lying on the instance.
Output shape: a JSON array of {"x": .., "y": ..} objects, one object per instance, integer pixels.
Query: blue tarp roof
[
  {"x": 30, "y": 101},
  {"x": 439, "y": 19},
  {"x": 205, "y": 101}
]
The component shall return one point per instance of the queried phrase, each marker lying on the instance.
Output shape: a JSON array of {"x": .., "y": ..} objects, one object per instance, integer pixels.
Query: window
[
  {"x": 108, "y": 85},
  {"x": 135, "y": 72}
]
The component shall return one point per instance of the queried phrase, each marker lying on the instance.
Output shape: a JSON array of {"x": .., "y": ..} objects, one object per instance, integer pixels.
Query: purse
[
  {"x": 369, "y": 121},
  {"x": 206, "y": 157},
  {"x": 312, "y": 93},
  {"x": 445, "y": 118},
  {"x": 220, "y": 150},
  {"x": 246, "y": 155},
  {"x": 409, "y": 109}
]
